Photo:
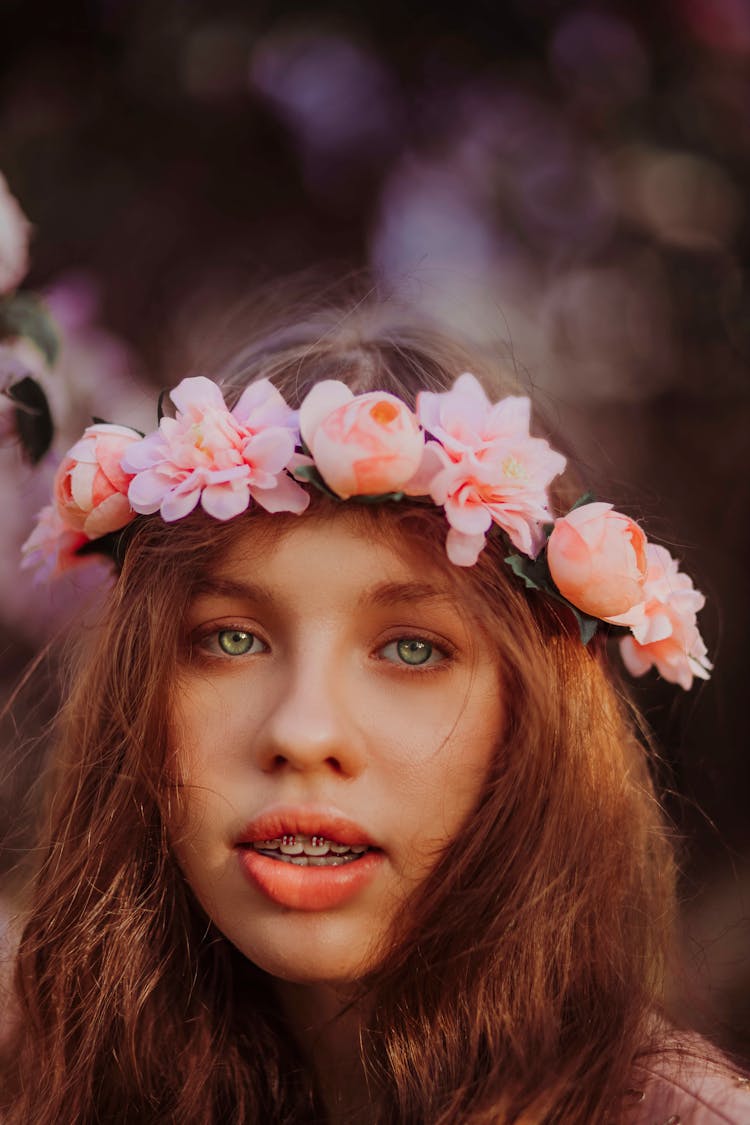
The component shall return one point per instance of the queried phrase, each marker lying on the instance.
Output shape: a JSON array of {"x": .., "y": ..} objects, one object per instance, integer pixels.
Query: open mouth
[
  {"x": 309, "y": 851},
  {"x": 308, "y": 859}
]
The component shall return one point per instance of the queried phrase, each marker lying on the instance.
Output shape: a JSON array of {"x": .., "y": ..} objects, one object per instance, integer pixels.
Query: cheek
[
  {"x": 199, "y": 739},
  {"x": 198, "y": 841},
  {"x": 475, "y": 740},
  {"x": 441, "y": 787},
  {"x": 205, "y": 727}
]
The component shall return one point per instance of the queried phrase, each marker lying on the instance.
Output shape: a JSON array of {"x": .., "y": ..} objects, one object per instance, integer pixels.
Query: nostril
[{"x": 304, "y": 755}]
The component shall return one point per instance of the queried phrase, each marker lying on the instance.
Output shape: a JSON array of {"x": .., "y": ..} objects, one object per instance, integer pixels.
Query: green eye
[
  {"x": 412, "y": 650},
  {"x": 235, "y": 642}
]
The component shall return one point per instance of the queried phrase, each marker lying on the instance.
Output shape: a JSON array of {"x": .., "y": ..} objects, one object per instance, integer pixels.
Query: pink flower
[
  {"x": 90, "y": 489},
  {"x": 51, "y": 548},
  {"x": 597, "y": 559},
  {"x": 485, "y": 467},
  {"x": 14, "y": 240},
  {"x": 362, "y": 445},
  {"x": 668, "y": 638},
  {"x": 217, "y": 457}
]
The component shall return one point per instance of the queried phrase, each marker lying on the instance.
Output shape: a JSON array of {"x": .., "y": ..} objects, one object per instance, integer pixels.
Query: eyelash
[
  {"x": 202, "y": 642},
  {"x": 439, "y": 648}
]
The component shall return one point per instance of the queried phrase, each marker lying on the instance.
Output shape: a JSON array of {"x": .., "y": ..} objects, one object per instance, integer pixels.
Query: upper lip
[{"x": 305, "y": 820}]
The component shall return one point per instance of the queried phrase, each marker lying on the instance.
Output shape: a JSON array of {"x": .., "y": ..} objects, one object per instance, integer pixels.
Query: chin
[
  {"x": 312, "y": 973},
  {"x": 320, "y": 961}
]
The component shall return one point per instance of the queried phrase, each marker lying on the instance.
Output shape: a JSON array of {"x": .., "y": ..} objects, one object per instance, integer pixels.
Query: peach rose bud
[
  {"x": 91, "y": 487},
  {"x": 597, "y": 559},
  {"x": 362, "y": 445}
]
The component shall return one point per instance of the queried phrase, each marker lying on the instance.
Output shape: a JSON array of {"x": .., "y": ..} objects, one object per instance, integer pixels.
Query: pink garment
[{"x": 685, "y": 1089}]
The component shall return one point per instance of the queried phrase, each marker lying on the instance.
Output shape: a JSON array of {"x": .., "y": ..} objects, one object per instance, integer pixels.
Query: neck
[{"x": 328, "y": 1026}]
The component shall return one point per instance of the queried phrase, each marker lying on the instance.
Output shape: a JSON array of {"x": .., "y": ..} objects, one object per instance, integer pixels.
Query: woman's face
[{"x": 336, "y": 715}]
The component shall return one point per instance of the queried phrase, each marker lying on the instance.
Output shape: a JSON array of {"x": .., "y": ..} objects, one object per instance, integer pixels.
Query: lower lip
[{"x": 309, "y": 888}]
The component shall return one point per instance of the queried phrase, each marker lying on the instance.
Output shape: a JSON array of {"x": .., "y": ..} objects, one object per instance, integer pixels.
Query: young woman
[{"x": 345, "y": 822}]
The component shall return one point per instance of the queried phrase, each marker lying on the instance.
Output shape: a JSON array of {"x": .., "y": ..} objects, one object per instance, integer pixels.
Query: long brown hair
[{"x": 525, "y": 975}]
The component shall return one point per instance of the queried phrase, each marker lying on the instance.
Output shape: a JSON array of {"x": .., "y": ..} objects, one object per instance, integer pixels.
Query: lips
[
  {"x": 309, "y": 851},
  {"x": 304, "y": 821},
  {"x": 307, "y": 858}
]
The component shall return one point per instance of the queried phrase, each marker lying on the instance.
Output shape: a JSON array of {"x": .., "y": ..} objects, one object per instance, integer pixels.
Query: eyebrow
[
  {"x": 382, "y": 594},
  {"x": 386, "y": 592},
  {"x": 219, "y": 587}
]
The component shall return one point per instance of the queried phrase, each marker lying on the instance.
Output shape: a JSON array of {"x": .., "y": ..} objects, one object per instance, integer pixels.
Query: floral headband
[{"x": 475, "y": 459}]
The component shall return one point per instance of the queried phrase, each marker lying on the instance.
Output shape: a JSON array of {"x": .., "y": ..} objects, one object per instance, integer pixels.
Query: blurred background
[{"x": 567, "y": 182}]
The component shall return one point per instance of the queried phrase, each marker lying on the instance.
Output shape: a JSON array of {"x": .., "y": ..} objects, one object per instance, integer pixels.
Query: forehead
[{"x": 348, "y": 549}]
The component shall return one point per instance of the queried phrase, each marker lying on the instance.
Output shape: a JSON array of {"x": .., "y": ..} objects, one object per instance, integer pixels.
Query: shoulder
[{"x": 689, "y": 1084}]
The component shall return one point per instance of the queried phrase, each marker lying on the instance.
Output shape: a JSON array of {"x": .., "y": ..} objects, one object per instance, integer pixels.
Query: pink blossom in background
[
  {"x": 216, "y": 457},
  {"x": 14, "y": 240},
  {"x": 51, "y": 547},
  {"x": 490, "y": 468},
  {"x": 597, "y": 559},
  {"x": 91, "y": 488},
  {"x": 362, "y": 445},
  {"x": 96, "y": 375},
  {"x": 668, "y": 638}
]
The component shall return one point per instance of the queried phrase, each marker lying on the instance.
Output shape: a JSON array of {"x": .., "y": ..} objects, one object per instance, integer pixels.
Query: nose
[{"x": 311, "y": 723}]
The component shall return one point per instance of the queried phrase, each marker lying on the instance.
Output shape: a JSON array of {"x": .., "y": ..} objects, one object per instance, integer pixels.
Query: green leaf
[
  {"x": 24, "y": 315},
  {"x": 309, "y": 474},
  {"x": 305, "y": 472},
  {"x": 587, "y": 625},
  {"x": 533, "y": 571},
  {"x": 378, "y": 498},
  {"x": 587, "y": 498}
]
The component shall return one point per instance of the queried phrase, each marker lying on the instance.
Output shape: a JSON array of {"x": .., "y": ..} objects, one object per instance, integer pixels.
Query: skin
[{"x": 322, "y": 709}]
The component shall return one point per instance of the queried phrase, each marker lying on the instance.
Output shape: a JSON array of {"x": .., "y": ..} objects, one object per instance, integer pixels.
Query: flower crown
[{"x": 475, "y": 459}]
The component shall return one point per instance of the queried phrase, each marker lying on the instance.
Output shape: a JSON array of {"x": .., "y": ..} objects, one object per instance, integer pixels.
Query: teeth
[
  {"x": 312, "y": 860},
  {"x": 314, "y": 851}
]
